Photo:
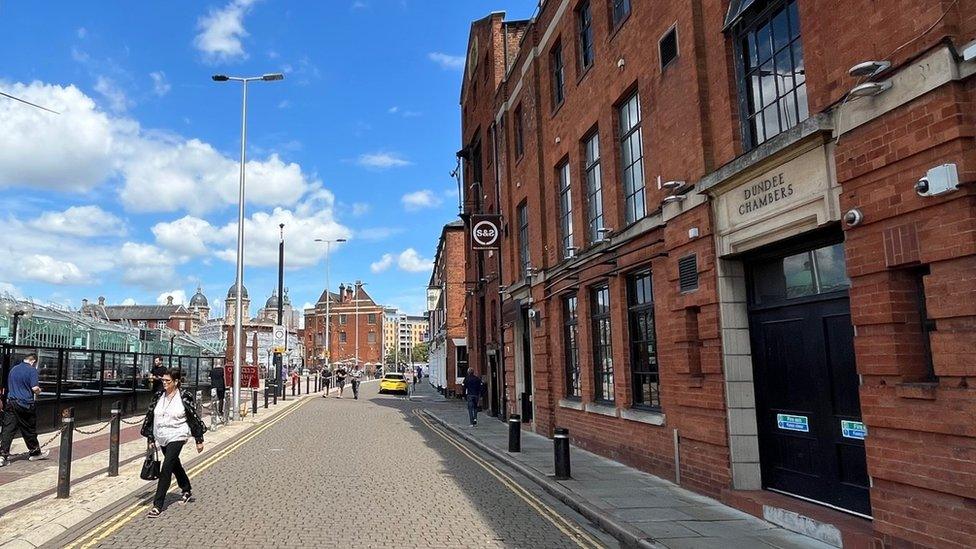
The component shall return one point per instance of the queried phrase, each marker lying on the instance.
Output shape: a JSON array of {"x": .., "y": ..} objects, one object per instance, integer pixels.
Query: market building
[
  {"x": 355, "y": 328},
  {"x": 447, "y": 344},
  {"x": 738, "y": 246}
]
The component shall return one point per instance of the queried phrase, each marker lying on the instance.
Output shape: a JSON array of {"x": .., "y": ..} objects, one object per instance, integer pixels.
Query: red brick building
[
  {"x": 717, "y": 265},
  {"x": 355, "y": 328},
  {"x": 447, "y": 325}
]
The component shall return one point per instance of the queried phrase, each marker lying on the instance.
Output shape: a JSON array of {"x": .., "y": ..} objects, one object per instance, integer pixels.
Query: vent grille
[
  {"x": 668, "y": 47},
  {"x": 688, "y": 273}
]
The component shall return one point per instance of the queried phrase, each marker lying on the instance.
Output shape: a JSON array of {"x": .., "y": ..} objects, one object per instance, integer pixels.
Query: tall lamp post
[
  {"x": 328, "y": 296},
  {"x": 239, "y": 285},
  {"x": 359, "y": 285}
]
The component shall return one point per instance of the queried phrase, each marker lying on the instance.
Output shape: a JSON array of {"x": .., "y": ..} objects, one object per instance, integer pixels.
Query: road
[{"x": 350, "y": 473}]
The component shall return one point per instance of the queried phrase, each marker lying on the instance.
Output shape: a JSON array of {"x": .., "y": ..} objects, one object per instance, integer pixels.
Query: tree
[
  {"x": 390, "y": 359},
  {"x": 420, "y": 353}
]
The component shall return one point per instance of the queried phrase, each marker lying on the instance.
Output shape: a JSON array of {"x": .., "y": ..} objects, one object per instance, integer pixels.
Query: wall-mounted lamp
[
  {"x": 869, "y": 69},
  {"x": 674, "y": 198},
  {"x": 869, "y": 89},
  {"x": 672, "y": 185}
]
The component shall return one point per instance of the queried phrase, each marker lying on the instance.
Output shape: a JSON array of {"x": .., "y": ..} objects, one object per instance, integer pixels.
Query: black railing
[{"x": 91, "y": 381}]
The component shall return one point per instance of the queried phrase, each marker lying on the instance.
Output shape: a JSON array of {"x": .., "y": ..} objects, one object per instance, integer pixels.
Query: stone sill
[
  {"x": 919, "y": 391},
  {"x": 572, "y": 404},
  {"x": 643, "y": 416},
  {"x": 601, "y": 409}
]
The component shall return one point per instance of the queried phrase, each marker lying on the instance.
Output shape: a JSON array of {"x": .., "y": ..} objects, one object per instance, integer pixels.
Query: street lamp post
[
  {"x": 328, "y": 296},
  {"x": 239, "y": 286}
]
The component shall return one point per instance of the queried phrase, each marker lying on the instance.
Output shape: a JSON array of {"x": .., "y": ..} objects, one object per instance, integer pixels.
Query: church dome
[
  {"x": 232, "y": 292},
  {"x": 272, "y": 302},
  {"x": 198, "y": 299}
]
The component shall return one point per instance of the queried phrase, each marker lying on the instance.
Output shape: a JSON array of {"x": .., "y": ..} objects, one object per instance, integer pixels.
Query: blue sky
[{"x": 131, "y": 191}]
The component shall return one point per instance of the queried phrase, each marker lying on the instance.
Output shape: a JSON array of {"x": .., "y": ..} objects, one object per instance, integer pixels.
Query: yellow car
[{"x": 393, "y": 383}]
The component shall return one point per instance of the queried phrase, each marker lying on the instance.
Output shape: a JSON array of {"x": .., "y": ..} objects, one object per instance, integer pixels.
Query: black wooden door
[
  {"x": 526, "y": 367},
  {"x": 808, "y": 409}
]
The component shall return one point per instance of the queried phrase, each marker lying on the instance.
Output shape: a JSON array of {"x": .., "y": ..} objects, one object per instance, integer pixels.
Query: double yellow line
[
  {"x": 110, "y": 526},
  {"x": 571, "y": 530}
]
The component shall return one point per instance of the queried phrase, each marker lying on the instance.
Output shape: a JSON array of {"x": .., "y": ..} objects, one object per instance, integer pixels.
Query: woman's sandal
[
  {"x": 186, "y": 498},
  {"x": 153, "y": 513}
]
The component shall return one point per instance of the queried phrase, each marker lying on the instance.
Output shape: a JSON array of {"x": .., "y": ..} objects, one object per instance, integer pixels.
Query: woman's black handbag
[{"x": 150, "y": 467}]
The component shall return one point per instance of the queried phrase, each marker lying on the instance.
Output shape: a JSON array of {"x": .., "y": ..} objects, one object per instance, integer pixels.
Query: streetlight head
[
  {"x": 340, "y": 240},
  {"x": 272, "y": 76},
  {"x": 220, "y": 78}
]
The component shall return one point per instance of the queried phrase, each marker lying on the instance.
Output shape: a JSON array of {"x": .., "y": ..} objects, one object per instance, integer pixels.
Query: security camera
[
  {"x": 853, "y": 217},
  {"x": 938, "y": 181},
  {"x": 532, "y": 313}
]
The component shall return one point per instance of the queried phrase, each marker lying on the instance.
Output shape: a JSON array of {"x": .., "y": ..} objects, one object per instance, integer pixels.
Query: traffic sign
[
  {"x": 485, "y": 231},
  {"x": 278, "y": 336}
]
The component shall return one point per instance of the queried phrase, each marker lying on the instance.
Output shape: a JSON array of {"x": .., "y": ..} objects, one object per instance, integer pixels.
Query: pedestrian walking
[
  {"x": 294, "y": 379},
  {"x": 19, "y": 413},
  {"x": 341, "y": 379},
  {"x": 157, "y": 374},
  {"x": 416, "y": 376},
  {"x": 218, "y": 384},
  {"x": 356, "y": 378},
  {"x": 171, "y": 420},
  {"x": 472, "y": 392}
]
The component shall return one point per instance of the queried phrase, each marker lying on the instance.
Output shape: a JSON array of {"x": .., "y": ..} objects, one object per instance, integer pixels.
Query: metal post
[
  {"x": 254, "y": 402},
  {"x": 266, "y": 396},
  {"x": 239, "y": 312},
  {"x": 308, "y": 381},
  {"x": 113, "y": 440},
  {"x": 274, "y": 394},
  {"x": 514, "y": 433},
  {"x": 560, "y": 447},
  {"x": 64, "y": 452},
  {"x": 293, "y": 389}
]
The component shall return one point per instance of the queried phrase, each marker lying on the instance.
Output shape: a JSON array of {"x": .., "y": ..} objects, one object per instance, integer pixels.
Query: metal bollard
[
  {"x": 515, "y": 433},
  {"x": 113, "y": 440},
  {"x": 254, "y": 401},
  {"x": 283, "y": 391},
  {"x": 308, "y": 382},
  {"x": 293, "y": 389},
  {"x": 266, "y": 396},
  {"x": 64, "y": 453},
  {"x": 560, "y": 448}
]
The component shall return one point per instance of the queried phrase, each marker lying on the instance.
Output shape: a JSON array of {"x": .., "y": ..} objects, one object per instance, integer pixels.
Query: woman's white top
[{"x": 169, "y": 420}]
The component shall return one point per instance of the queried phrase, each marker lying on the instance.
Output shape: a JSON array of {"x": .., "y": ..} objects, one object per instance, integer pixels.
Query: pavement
[{"x": 638, "y": 508}]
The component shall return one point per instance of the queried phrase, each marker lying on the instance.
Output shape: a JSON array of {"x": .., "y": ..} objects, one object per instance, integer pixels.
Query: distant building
[
  {"x": 447, "y": 325},
  {"x": 355, "y": 328},
  {"x": 171, "y": 315}
]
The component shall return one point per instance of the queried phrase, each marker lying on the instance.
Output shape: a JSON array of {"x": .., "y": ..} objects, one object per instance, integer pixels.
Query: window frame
[
  {"x": 584, "y": 35},
  {"x": 557, "y": 75},
  {"x": 343, "y": 337},
  {"x": 571, "y": 365},
  {"x": 593, "y": 172},
  {"x": 522, "y": 218},
  {"x": 343, "y": 318},
  {"x": 634, "y": 131},
  {"x": 642, "y": 364},
  {"x": 660, "y": 42},
  {"x": 601, "y": 340},
  {"x": 519, "y": 132},
  {"x": 565, "y": 191},
  {"x": 759, "y": 15},
  {"x": 371, "y": 318},
  {"x": 615, "y": 22}
]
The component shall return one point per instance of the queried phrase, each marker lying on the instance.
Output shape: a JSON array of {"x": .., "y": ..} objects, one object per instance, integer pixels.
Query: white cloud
[
  {"x": 82, "y": 32},
  {"x": 382, "y": 160},
  {"x": 82, "y": 221},
  {"x": 221, "y": 31},
  {"x": 160, "y": 86},
  {"x": 419, "y": 200},
  {"x": 393, "y": 110},
  {"x": 359, "y": 5},
  {"x": 7, "y": 288},
  {"x": 146, "y": 265},
  {"x": 375, "y": 234},
  {"x": 447, "y": 62},
  {"x": 383, "y": 264},
  {"x": 113, "y": 95},
  {"x": 179, "y": 297},
  {"x": 45, "y": 268},
  {"x": 187, "y": 236},
  {"x": 67, "y": 152},
  {"x": 284, "y": 104},
  {"x": 410, "y": 261},
  {"x": 360, "y": 208},
  {"x": 128, "y": 301}
]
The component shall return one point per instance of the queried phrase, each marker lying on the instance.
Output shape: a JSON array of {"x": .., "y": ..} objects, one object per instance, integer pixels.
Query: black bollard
[
  {"x": 308, "y": 382},
  {"x": 292, "y": 389},
  {"x": 514, "y": 433},
  {"x": 113, "y": 440},
  {"x": 275, "y": 393},
  {"x": 64, "y": 453},
  {"x": 265, "y": 396},
  {"x": 560, "y": 448},
  {"x": 254, "y": 402}
]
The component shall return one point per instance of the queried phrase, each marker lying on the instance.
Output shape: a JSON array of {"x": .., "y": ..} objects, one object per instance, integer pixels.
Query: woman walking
[{"x": 171, "y": 421}]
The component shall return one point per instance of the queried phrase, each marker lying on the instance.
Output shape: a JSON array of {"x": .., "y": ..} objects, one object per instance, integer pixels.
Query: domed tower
[
  {"x": 199, "y": 306},
  {"x": 231, "y": 305},
  {"x": 270, "y": 311}
]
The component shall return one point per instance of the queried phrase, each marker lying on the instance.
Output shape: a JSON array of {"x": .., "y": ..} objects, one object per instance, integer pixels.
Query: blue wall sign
[
  {"x": 789, "y": 422},
  {"x": 853, "y": 429}
]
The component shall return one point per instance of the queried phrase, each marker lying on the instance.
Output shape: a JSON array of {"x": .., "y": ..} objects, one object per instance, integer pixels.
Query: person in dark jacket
[
  {"x": 472, "y": 392},
  {"x": 217, "y": 382},
  {"x": 20, "y": 412},
  {"x": 157, "y": 374},
  {"x": 171, "y": 420}
]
